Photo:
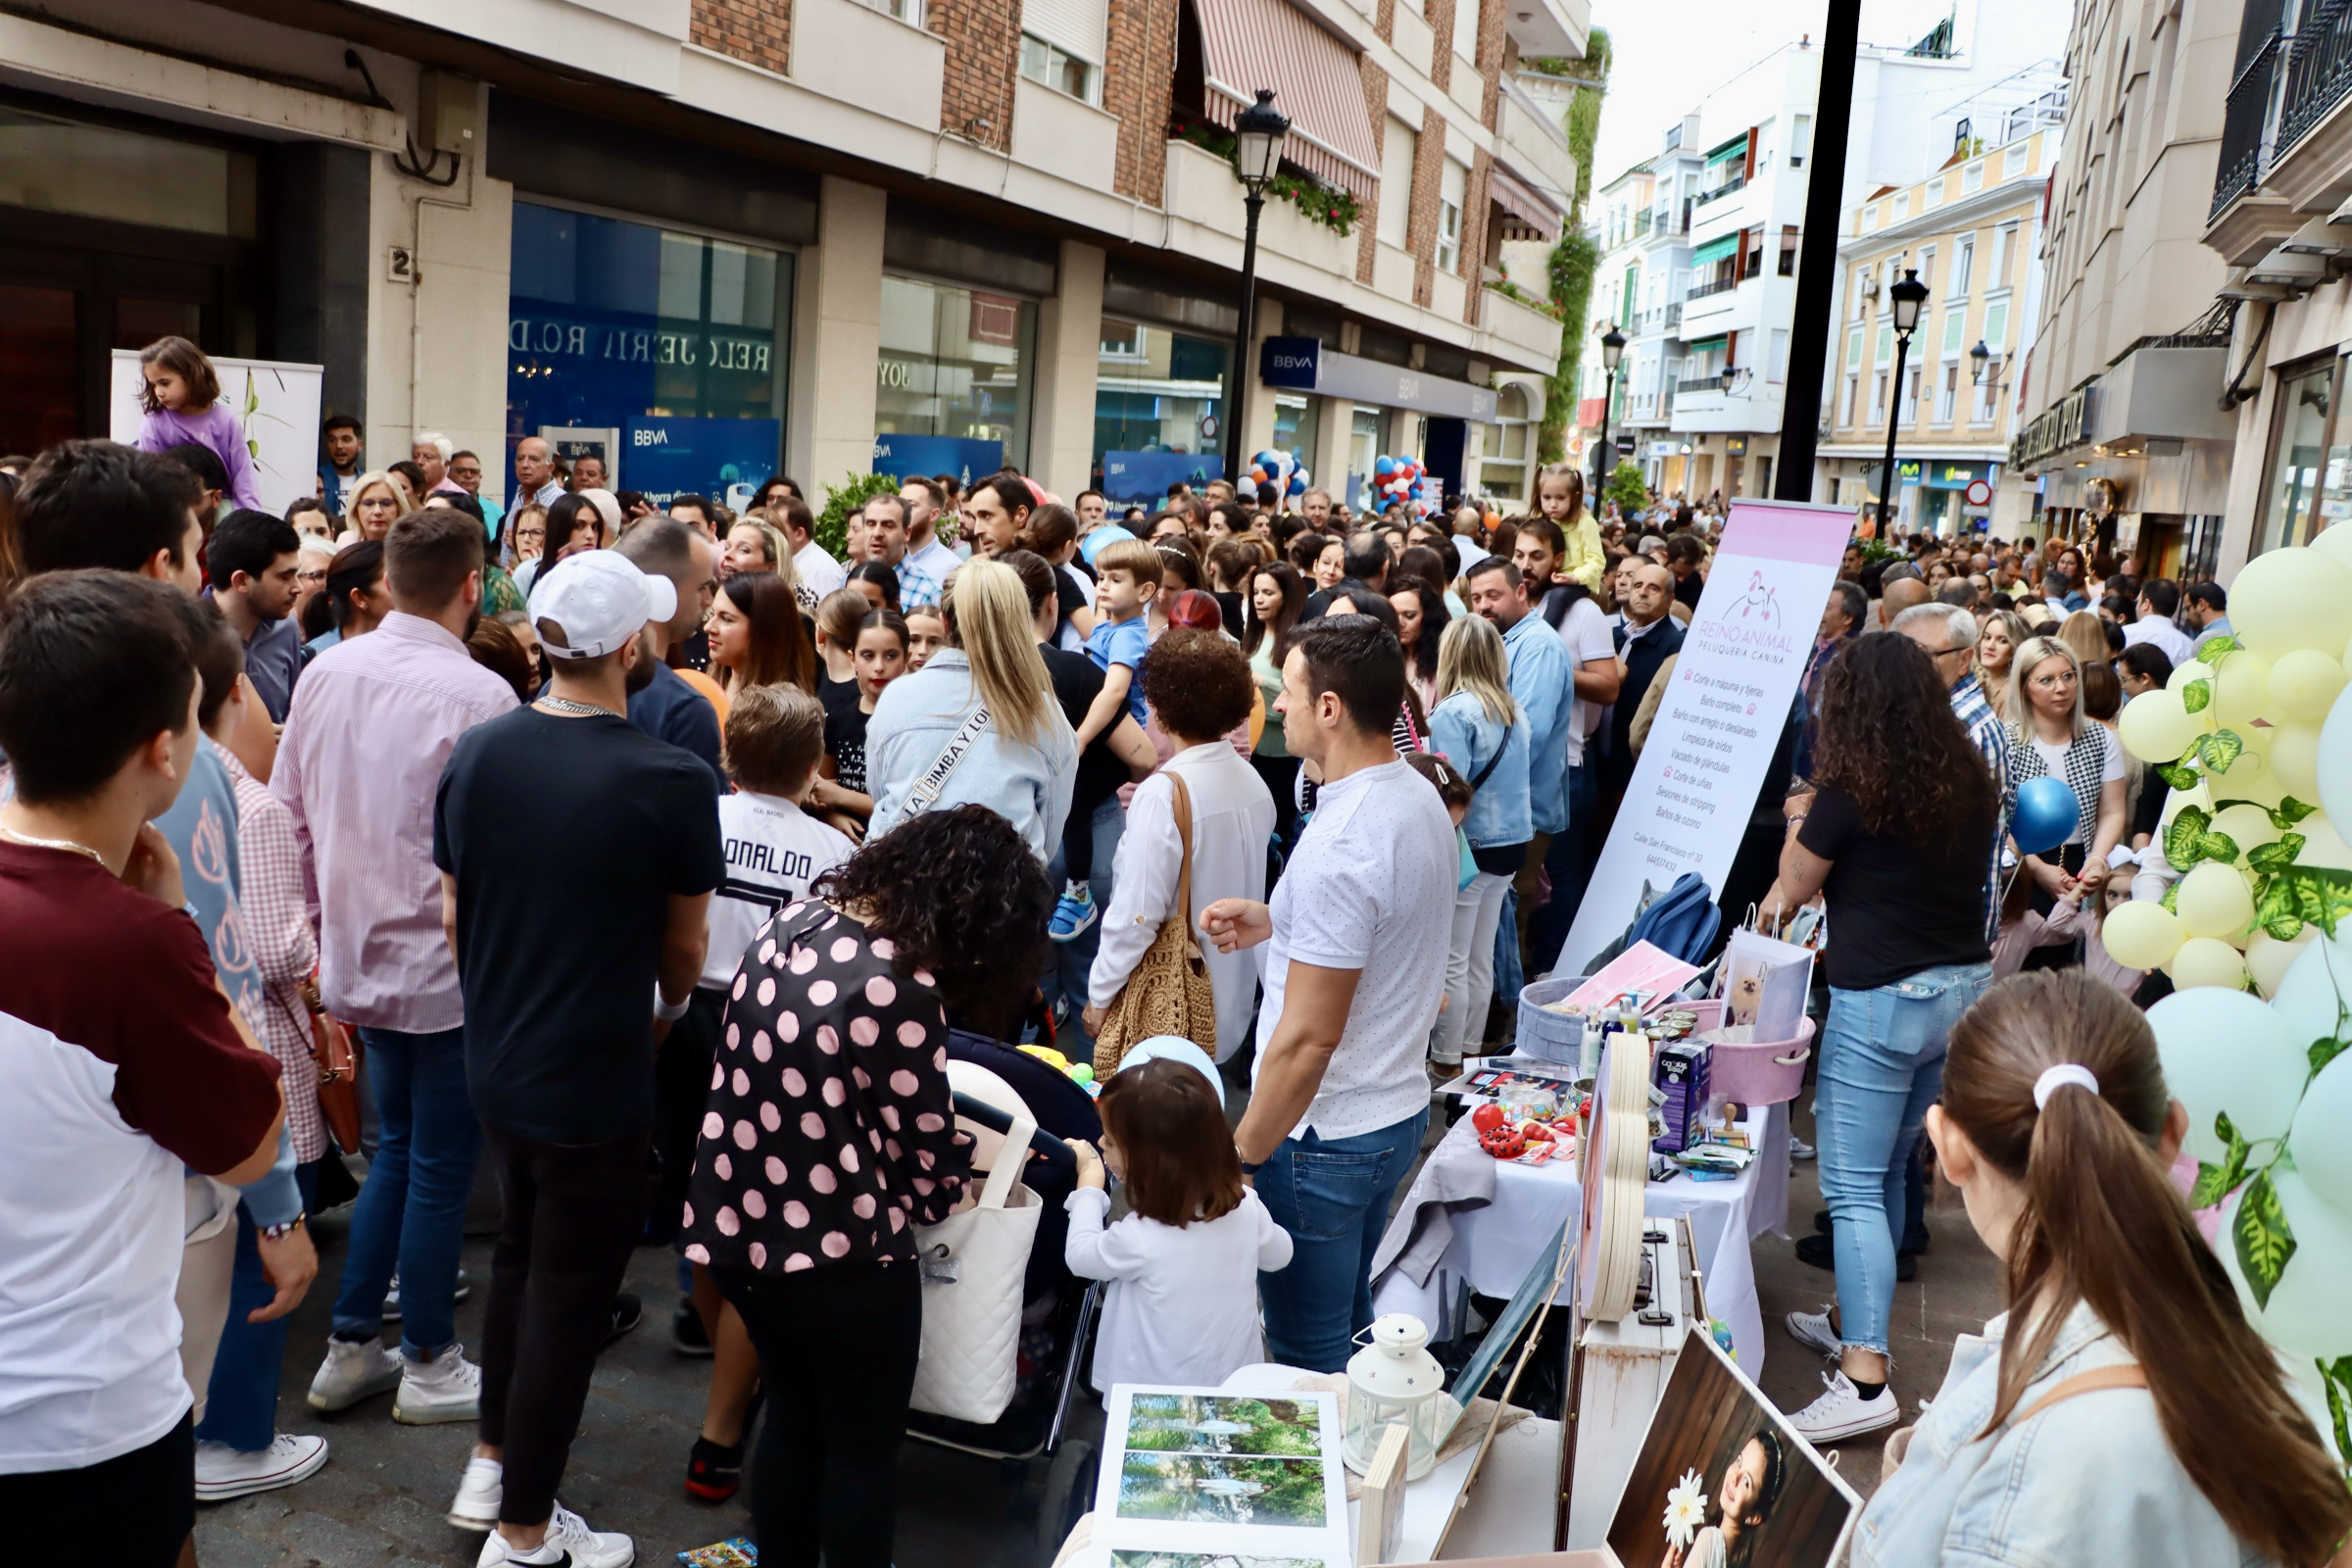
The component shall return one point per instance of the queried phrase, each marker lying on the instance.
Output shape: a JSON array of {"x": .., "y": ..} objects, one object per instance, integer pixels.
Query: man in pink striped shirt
[{"x": 373, "y": 721}]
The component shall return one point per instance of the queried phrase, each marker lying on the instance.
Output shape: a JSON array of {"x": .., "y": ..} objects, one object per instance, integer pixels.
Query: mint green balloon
[
  {"x": 2321, "y": 1138},
  {"x": 2227, "y": 1050}
]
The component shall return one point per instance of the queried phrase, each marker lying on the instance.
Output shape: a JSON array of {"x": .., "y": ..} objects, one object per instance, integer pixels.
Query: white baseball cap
[{"x": 601, "y": 599}]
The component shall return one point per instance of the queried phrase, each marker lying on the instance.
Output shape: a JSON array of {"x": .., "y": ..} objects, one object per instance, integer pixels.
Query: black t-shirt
[
  {"x": 1895, "y": 907},
  {"x": 1229, "y": 606},
  {"x": 845, "y": 742},
  {"x": 835, "y": 694},
  {"x": 669, "y": 710},
  {"x": 1076, "y": 685},
  {"x": 558, "y": 952}
]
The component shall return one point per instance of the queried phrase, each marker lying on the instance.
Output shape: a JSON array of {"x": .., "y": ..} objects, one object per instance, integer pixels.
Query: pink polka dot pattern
[{"x": 798, "y": 1173}]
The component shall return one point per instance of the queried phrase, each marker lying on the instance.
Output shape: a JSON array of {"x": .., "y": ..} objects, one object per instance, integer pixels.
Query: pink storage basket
[{"x": 1764, "y": 1073}]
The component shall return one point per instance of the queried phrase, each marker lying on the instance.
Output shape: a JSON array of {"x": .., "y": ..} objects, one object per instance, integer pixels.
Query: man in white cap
[{"x": 575, "y": 944}]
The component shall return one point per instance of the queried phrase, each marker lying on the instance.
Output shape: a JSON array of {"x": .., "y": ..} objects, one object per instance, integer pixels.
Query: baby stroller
[{"x": 992, "y": 1081}]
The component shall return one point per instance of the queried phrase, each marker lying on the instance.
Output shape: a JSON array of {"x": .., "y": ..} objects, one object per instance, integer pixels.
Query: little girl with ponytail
[{"x": 2122, "y": 1410}]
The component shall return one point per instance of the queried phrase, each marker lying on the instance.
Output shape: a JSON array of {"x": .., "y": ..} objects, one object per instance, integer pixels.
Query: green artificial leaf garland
[
  {"x": 2288, "y": 811},
  {"x": 2276, "y": 856},
  {"x": 2179, "y": 775},
  {"x": 2263, "y": 1237},
  {"x": 2196, "y": 695},
  {"x": 2219, "y": 750},
  {"x": 2336, "y": 1377}
]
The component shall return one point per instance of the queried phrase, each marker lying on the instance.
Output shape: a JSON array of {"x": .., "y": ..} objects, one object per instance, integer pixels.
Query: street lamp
[
  {"x": 1612, "y": 352},
  {"x": 1906, "y": 298},
  {"x": 1257, "y": 133},
  {"x": 1983, "y": 366}
]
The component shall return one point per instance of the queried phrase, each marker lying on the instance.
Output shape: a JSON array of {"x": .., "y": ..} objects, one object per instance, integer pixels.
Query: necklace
[
  {"x": 565, "y": 705},
  {"x": 15, "y": 836}
]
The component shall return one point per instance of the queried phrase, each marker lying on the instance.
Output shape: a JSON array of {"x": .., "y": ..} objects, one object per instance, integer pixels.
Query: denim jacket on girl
[
  {"x": 915, "y": 719},
  {"x": 1461, "y": 730},
  {"x": 2090, "y": 1480}
]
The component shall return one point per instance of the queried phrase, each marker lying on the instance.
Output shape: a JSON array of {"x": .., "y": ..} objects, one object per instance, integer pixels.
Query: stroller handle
[{"x": 1050, "y": 1148}]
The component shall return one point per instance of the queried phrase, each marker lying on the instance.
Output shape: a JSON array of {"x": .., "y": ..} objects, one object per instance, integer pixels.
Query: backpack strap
[{"x": 2096, "y": 1381}]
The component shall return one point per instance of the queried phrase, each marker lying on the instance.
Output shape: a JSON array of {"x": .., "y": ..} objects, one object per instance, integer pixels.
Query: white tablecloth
[{"x": 1493, "y": 1246}]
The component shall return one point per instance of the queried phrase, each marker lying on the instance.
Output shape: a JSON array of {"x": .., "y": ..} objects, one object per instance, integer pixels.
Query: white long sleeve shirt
[
  {"x": 1183, "y": 1301},
  {"x": 1232, "y": 815}
]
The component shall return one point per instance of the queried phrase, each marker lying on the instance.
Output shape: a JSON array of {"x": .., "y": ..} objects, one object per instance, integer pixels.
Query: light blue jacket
[
  {"x": 915, "y": 718},
  {"x": 1461, "y": 729},
  {"x": 1543, "y": 684},
  {"x": 2090, "y": 1480}
]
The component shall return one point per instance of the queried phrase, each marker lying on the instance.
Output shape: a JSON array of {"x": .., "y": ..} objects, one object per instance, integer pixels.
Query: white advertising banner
[
  {"x": 276, "y": 405},
  {"x": 1720, "y": 718}
]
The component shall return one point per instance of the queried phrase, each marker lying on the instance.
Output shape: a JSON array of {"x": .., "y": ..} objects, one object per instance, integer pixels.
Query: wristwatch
[
  {"x": 278, "y": 1233},
  {"x": 1250, "y": 1168}
]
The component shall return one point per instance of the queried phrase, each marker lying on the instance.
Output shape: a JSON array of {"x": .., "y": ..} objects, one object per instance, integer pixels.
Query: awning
[
  {"x": 1248, "y": 44},
  {"x": 1725, "y": 151},
  {"x": 1700, "y": 345},
  {"x": 1538, "y": 217},
  {"x": 1715, "y": 250}
]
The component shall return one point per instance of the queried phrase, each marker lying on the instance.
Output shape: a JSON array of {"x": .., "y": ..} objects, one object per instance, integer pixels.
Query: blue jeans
[
  {"x": 240, "y": 1408},
  {"x": 411, "y": 1213},
  {"x": 1069, "y": 963},
  {"x": 1509, "y": 978},
  {"x": 1568, "y": 862},
  {"x": 1881, "y": 1066},
  {"x": 1332, "y": 1195}
]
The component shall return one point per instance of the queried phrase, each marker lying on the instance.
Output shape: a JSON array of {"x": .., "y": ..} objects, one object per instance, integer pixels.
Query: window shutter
[{"x": 1074, "y": 26}]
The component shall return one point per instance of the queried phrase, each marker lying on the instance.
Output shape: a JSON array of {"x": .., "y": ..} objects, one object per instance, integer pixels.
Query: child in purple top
[{"x": 182, "y": 400}]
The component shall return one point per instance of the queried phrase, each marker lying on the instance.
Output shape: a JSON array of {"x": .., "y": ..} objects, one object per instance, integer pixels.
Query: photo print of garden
[
  {"x": 1211, "y": 1560},
  {"x": 1723, "y": 1483},
  {"x": 1215, "y": 1423},
  {"x": 1215, "y": 1490}
]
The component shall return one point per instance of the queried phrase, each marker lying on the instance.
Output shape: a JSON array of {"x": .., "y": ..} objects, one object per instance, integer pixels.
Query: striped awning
[
  {"x": 1532, "y": 214},
  {"x": 1715, "y": 250},
  {"x": 1248, "y": 44}
]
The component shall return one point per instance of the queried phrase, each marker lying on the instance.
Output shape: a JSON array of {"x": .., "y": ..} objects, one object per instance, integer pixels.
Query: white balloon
[
  {"x": 2310, "y": 1001},
  {"x": 2201, "y": 797},
  {"x": 2322, "y": 844},
  {"x": 2186, "y": 672},
  {"x": 2213, "y": 900},
  {"x": 2225, "y": 1050},
  {"x": 2335, "y": 760},
  {"x": 2268, "y": 958},
  {"x": 2142, "y": 934},
  {"x": 2295, "y": 760},
  {"x": 2246, "y": 825},
  {"x": 2293, "y": 598},
  {"x": 2156, "y": 728},
  {"x": 2323, "y": 1153},
  {"x": 2207, "y": 963},
  {"x": 2303, "y": 687},
  {"x": 2306, "y": 1315},
  {"x": 2241, "y": 688}
]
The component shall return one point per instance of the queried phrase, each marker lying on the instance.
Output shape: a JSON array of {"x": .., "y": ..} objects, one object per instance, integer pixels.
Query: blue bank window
[{"x": 620, "y": 334}]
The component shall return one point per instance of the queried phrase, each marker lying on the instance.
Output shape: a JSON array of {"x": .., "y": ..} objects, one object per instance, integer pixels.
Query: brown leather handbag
[
  {"x": 335, "y": 1048},
  {"x": 1170, "y": 992}
]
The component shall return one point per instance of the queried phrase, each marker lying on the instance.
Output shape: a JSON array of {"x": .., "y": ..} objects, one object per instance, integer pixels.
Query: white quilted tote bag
[{"x": 973, "y": 1265}]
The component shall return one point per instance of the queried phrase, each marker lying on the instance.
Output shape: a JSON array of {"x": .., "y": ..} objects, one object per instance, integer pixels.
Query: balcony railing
[
  {"x": 2286, "y": 85},
  {"x": 1642, "y": 220},
  {"x": 1736, "y": 182},
  {"x": 1704, "y": 383},
  {"x": 2319, "y": 69},
  {"x": 1700, "y": 291}
]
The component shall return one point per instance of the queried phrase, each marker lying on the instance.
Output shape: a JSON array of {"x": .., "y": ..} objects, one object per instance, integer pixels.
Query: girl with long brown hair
[
  {"x": 757, "y": 635},
  {"x": 2122, "y": 1410},
  {"x": 1898, "y": 835}
]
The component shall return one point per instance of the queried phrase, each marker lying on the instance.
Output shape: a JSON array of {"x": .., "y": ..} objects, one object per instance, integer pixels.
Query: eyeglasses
[{"x": 2053, "y": 682}]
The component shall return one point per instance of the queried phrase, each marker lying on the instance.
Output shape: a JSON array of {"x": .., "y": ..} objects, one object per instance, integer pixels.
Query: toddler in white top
[{"x": 1184, "y": 1263}]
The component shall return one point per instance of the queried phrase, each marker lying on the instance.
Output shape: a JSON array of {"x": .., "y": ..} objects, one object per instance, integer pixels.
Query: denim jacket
[
  {"x": 1462, "y": 730},
  {"x": 2090, "y": 1480},
  {"x": 915, "y": 718}
]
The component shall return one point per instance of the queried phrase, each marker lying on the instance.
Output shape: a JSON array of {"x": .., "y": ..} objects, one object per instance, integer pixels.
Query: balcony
[
  {"x": 1703, "y": 383},
  {"x": 1701, "y": 291},
  {"x": 1735, "y": 183},
  {"x": 2282, "y": 137}
]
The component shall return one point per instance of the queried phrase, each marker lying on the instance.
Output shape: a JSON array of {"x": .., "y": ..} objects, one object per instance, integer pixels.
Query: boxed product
[{"x": 1679, "y": 1073}]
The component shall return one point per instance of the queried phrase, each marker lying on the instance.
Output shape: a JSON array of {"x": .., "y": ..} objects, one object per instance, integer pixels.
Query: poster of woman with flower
[{"x": 1721, "y": 1482}]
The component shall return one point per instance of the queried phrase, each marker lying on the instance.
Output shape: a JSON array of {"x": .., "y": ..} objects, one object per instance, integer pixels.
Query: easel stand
[{"x": 1616, "y": 1375}]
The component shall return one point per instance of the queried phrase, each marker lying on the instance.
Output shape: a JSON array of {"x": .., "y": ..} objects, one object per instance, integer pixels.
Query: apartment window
[
  {"x": 1878, "y": 398},
  {"x": 1453, "y": 185},
  {"x": 1955, "y": 325},
  {"x": 1995, "y": 331},
  {"x": 1861, "y": 293},
  {"x": 1465, "y": 29},
  {"x": 1885, "y": 343},
  {"x": 1910, "y": 412},
  {"x": 1927, "y": 268},
  {"x": 1964, "y": 263},
  {"x": 1936, "y": 191},
  {"x": 1870, "y": 215},
  {"x": 1398, "y": 151},
  {"x": 1947, "y": 396},
  {"x": 1062, "y": 45},
  {"x": 1985, "y": 393},
  {"x": 1062, "y": 71},
  {"x": 1776, "y": 365},
  {"x": 1853, "y": 390},
  {"x": 2013, "y": 161},
  {"x": 1853, "y": 347},
  {"x": 906, "y": 11},
  {"x": 1787, "y": 250},
  {"x": 2004, "y": 244},
  {"x": 1972, "y": 178},
  {"x": 1801, "y": 140}
]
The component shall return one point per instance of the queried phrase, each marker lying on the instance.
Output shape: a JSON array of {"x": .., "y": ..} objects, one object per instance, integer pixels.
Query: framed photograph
[
  {"x": 1210, "y": 1478},
  {"x": 1224, "y": 1424},
  {"x": 1723, "y": 1479},
  {"x": 1216, "y": 1490},
  {"x": 1211, "y": 1560}
]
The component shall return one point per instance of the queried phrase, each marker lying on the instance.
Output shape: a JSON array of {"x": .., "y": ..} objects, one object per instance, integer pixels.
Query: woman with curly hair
[
  {"x": 829, "y": 1136},
  {"x": 1897, "y": 835}
]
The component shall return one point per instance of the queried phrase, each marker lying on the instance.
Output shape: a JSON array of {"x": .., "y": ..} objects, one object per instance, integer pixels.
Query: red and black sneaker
[{"x": 713, "y": 1474}]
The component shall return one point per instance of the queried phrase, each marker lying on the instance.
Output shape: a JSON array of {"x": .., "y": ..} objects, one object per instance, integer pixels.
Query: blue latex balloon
[
  {"x": 2047, "y": 813},
  {"x": 1382, "y": 467}
]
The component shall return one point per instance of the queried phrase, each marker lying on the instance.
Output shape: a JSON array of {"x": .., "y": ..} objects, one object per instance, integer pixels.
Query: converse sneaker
[
  {"x": 392, "y": 1295},
  {"x": 568, "y": 1540},
  {"x": 480, "y": 1490},
  {"x": 354, "y": 1369},
  {"x": 1842, "y": 1412},
  {"x": 1812, "y": 1330},
  {"x": 223, "y": 1472},
  {"x": 1072, "y": 913},
  {"x": 448, "y": 1387}
]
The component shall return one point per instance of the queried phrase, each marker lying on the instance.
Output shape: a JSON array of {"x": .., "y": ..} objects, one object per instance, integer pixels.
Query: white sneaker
[
  {"x": 569, "y": 1542},
  {"x": 223, "y": 1472},
  {"x": 353, "y": 1371},
  {"x": 480, "y": 1490},
  {"x": 1842, "y": 1412},
  {"x": 448, "y": 1387},
  {"x": 1812, "y": 1330}
]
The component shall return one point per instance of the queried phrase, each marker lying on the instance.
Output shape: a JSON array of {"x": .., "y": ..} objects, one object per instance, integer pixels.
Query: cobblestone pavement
[{"x": 380, "y": 1500}]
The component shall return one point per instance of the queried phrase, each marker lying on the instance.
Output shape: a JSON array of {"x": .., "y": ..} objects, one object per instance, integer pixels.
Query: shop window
[
  {"x": 2305, "y": 488},
  {"x": 40, "y": 398},
  {"x": 1295, "y": 429},
  {"x": 1159, "y": 406},
  {"x": 955, "y": 363},
  {"x": 91, "y": 170},
  {"x": 667, "y": 350},
  {"x": 1364, "y": 446}
]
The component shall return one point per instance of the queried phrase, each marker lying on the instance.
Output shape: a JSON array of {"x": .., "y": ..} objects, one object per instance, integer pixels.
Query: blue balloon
[
  {"x": 2047, "y": 813},
  {"x": 1382, "y": 467}
]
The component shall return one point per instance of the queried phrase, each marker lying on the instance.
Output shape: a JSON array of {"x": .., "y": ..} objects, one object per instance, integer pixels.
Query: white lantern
[{"x": 1395, "y": 1382}]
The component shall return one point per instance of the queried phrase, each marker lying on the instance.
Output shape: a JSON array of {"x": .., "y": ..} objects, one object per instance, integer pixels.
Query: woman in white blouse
[{"x": 1199, "y": 684}]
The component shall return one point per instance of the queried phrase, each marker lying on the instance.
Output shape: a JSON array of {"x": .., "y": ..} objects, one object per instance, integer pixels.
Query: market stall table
[{"x": 1495, "y": 1245}]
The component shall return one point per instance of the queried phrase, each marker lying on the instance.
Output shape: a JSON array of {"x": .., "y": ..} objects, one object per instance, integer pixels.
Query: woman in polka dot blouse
[{"x": 830, "y": 1135}]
